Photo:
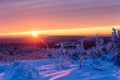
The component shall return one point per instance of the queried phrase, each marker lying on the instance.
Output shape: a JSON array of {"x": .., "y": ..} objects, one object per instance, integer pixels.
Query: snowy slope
[{"x": 48, "y": 70}]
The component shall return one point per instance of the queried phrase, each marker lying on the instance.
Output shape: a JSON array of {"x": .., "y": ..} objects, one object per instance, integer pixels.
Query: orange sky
[
  {"x": 58, "y": 17},
  {"x": 74, "y": 32}
]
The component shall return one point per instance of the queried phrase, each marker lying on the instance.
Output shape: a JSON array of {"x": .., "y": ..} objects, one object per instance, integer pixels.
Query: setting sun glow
[
  {"x": 34, "y": 34},
  {"x": 104, "y": 31}
]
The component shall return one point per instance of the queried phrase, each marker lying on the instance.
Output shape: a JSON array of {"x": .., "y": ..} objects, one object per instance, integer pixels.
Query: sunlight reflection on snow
[
  {"x": 49, "y": 71},
  {"x": 62, "y": 73},
  {"x": 1, "y": 74}
]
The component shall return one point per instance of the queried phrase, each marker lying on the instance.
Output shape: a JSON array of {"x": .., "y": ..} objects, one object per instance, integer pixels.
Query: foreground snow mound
[
  {"x": 21, "y": 71},
  {"x": 2, "y": 68}
]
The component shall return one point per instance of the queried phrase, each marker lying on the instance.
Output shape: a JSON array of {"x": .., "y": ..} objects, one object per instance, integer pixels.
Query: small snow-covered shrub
[{"x": 21, "y": 71}]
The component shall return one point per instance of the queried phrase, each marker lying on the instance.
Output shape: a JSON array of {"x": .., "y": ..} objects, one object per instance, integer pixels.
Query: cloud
[
  {"x": 56, "y": 4},
  {"x": 46, "y": 6},
  {"x": 58, "y": 13}
]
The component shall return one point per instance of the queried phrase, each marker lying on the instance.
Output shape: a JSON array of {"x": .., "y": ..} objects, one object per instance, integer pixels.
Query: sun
[{"x": 34, "y": 34}]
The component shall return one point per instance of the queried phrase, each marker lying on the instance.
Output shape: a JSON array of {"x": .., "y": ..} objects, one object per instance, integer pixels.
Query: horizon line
[{"x": 64, "y": 32}]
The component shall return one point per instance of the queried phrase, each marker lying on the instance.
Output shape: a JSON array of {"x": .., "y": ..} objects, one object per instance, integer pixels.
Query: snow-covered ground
[{"x": 48, "y": 70}]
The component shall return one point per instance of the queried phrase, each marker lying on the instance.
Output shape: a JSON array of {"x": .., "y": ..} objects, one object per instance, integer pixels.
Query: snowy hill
[
  {"x": 48, "y": 70},
  {"x": 100, "y": 62}
]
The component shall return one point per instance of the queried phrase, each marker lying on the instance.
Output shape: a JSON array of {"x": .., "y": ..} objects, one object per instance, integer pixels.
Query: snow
[
  {"x": 47, "y": 70},
  {"x": 20, "y": 71}
]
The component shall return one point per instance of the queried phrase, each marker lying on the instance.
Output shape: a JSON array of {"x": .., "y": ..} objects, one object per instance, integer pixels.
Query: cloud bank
[{"x": 57, "y": 14}]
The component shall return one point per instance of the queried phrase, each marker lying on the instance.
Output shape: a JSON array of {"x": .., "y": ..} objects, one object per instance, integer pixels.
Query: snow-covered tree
[
  {"x": 97, "y": 41},
  {"x": 114, "y": 34}
]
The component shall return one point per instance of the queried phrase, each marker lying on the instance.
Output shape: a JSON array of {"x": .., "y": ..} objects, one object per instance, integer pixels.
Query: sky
[{"x": 59, "y": 17}]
